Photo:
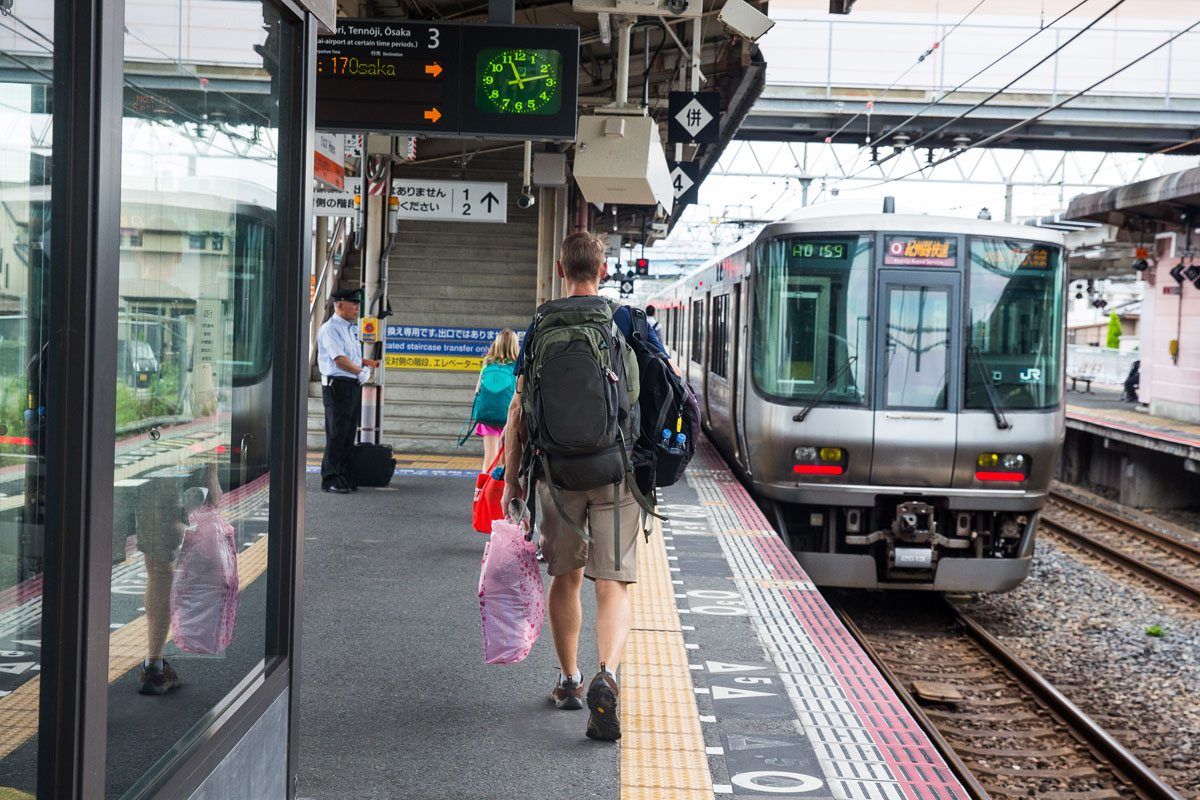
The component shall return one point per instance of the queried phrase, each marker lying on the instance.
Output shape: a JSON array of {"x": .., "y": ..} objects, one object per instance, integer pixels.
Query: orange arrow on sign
[
  {"x": 433, "y": 115},
  {"x": 433, "y": 69}
]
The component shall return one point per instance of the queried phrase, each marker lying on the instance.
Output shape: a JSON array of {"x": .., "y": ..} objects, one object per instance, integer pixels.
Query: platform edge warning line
[{"x": 656, "y": 663}]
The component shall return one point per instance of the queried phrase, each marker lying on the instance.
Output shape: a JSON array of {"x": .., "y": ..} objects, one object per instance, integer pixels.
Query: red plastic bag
[
  {"x": 489, "y": 491},
  {"x": 204, "y": 595},
  {"x": 510, "y": 594}
]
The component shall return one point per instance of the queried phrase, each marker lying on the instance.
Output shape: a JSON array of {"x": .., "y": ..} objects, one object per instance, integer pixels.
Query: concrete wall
[{"x": 1171, "y": 388}]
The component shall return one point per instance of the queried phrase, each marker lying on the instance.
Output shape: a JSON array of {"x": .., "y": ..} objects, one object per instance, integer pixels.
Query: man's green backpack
[{"x": 580, "y": 399}]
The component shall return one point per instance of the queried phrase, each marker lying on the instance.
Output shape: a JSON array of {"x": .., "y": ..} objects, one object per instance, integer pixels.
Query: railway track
[
  {"x": 1167, "y": 562},
  {"x": 1003, "y": 728}
]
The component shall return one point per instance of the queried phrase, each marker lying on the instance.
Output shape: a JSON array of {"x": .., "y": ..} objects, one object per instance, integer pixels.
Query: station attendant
[{"x": 343, "y": 372}]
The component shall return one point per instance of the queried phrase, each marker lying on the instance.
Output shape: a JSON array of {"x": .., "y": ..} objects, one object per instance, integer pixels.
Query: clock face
[{"x": 518, "y": 81}]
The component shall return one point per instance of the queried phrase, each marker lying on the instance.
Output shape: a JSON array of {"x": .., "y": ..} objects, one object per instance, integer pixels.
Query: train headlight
[
  {"x": 1011, "y": 467},
  {"x": 812, "y": 460}
]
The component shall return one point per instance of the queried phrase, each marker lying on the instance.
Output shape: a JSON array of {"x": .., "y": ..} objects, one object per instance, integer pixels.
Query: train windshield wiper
[
  {"x": 993, "y": 399},
  {"x": 802, "y": 413}
]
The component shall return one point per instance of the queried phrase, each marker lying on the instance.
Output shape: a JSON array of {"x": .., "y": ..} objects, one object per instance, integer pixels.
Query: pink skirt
[{"x": 487, "y": 430}]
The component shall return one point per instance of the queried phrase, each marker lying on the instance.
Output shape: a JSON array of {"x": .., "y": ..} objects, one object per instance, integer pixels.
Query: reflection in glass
[
  {"x": 811, "y": 318},
  {"x": 200, "y": 174},
  {"x": 26, "y": 52},
  {"x": 1015, "y": 323},
  {"x": 917, "y": 365}
]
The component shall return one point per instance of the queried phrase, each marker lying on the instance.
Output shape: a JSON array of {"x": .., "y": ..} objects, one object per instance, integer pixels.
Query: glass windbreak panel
[
  {"x": 811, "y": 326},
  {"x": 1015, "y": 324},
  {"x": 26, "y": 112},
  {"x": 200, "y": 178},
  {"x": 917, "y": 351}
]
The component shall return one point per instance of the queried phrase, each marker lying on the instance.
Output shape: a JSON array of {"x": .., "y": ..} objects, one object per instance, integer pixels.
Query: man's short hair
[
  {"x": 649, "y": 311},
  {"x": 582, "y": 256}
]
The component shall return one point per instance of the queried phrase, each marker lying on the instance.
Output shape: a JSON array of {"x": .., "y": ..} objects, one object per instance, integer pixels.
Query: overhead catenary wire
[
  {"x": 921, "y": 58},
  {"x": 1035, "y": 117},
  {"x": 1045, "y": 27},
  {"x": 927, "y": 136}
]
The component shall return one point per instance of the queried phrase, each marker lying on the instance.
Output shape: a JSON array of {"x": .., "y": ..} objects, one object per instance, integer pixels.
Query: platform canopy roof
[
  {"x": 730, "y": 65},
  {"x": 1166, "y": 199}
]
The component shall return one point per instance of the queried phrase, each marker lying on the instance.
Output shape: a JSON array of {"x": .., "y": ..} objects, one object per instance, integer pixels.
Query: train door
[
  {"x": 705, "y": 338},
  {"x": 916, "y": 391},
  {"x": 735, "y": 373}
]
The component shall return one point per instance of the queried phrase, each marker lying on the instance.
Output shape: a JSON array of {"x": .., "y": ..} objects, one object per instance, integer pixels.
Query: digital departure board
[
  {"x": 449, "y": 79},
  {"x": 920, "y": 251},
  {"x": 828, "y": 251}
]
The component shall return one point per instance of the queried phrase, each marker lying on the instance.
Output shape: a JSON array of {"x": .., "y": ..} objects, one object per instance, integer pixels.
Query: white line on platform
[
  {"x": 691, "y": 646},
  {"x": 700, "y": 690},
  {"x": 687, "y": 627},
  {"x": 715, "y": 751},
  {"x": 722, "y": 788},
  {"x": 707, "y": 718},
  {"x": 677, "y": 583},
  {"x": 695, "y": 666}
]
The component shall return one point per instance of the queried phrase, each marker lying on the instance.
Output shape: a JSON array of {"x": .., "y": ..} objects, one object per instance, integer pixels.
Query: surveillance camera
[
  {"x": 526, "y": 199},
  {"x": 745, "y": 20},
  {"x": 677, "y": 6},
  {"x": 1140, "y": 264}
]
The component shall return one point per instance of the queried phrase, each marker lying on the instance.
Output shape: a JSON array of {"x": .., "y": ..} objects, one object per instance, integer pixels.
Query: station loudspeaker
[{"x": 745, "y": 20}]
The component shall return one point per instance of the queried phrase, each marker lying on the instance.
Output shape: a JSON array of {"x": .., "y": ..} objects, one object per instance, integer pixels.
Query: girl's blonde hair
[{"x": 504, "y": 349}]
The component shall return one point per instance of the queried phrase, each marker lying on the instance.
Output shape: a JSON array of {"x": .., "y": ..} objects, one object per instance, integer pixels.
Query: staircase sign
[
  {"x": 451, "y": 201},
  {"x": 685, "y": 182},
  {"x": 436, "y": 347},
  {"x": 693, "y": 117}
]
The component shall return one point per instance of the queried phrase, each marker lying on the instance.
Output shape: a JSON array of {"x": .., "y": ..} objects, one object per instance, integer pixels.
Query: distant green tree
[{"x": 1113, "y": 341}]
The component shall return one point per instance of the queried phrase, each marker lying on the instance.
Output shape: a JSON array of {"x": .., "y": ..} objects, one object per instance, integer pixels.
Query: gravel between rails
[{"x": 1085, "y": 631}]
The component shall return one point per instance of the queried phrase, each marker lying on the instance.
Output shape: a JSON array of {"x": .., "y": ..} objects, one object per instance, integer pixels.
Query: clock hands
[{"x": 520, "y": 81}]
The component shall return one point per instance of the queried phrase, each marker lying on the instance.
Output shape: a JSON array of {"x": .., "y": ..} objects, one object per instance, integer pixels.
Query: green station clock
[{"x": 523, "y": 81}]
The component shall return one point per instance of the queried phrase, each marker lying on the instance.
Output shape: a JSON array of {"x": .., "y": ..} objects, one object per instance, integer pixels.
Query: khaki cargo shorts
[{"x": 592, "y": 510}]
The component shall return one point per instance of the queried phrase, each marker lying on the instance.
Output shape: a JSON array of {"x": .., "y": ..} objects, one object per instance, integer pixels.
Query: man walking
[
  {"x": 343, "y": 372},
  {"x": 609, "y": 514}
]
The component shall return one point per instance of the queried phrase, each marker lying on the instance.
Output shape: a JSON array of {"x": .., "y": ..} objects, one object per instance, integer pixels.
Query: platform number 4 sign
[
  {"x": 685, "y": 180},
  {"x": 694, "y": 117}
]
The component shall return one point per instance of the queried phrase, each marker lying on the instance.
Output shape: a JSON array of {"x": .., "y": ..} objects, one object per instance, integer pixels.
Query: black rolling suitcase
[{"x": 372, "y": 465}]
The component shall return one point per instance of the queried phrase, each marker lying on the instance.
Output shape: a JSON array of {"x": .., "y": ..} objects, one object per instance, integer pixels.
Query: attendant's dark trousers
[{"x": 343, "y": 407}]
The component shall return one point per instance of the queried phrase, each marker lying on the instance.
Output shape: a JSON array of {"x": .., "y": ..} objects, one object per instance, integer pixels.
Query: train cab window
[
  {"x": 718, "y": 356},
  {"x": 1015, "y": 324},
  {"x": 811, "y": 328},
  {"x": 917, "y": 362},
  {"x": 697, "y": 342}
]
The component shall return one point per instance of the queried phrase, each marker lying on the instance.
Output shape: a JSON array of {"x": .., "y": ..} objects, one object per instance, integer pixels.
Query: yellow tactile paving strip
[
  {"x": 662, "y": 746},
  {"x": 126, "y": 648}
]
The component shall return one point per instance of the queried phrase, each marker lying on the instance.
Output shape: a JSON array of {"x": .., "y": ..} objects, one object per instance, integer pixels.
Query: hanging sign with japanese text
[
  {"x": 337, "y": 204},
  {"x": 438, "y": 347},
  {"x": 451, "y": 201}
]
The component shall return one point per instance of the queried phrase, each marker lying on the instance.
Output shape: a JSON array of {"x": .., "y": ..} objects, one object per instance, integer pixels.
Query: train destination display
[
  {"x": 920, "y": 251},
  {"x": 449, "y": 79}
]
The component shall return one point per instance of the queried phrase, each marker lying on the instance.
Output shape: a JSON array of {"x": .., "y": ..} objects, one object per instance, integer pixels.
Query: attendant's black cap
[{"x": 347, "y": 294}]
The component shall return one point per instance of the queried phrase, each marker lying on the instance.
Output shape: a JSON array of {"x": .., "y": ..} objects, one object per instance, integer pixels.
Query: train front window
[
  {"x": 917, "y": 363},
  {"x": 811, "y": 325},
  {"x": 1014, "y": 324}
]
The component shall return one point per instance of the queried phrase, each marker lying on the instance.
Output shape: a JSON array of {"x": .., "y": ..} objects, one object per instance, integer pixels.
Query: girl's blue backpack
[{"x": 496, "y": 387}]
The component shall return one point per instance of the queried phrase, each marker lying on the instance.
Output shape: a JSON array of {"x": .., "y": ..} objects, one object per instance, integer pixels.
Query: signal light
[{"x": 642, "y": 266}]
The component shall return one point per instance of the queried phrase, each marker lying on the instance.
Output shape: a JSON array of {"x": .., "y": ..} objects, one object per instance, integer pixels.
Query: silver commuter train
[{"x": 889, "y": 386}]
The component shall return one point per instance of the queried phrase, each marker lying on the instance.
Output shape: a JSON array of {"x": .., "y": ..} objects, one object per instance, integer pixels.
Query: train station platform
[
  {"x": 1105, "y": 414},
  {"x": 739, "y": 681}
]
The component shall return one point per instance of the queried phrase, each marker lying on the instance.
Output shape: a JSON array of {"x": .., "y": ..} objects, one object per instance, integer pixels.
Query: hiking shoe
[
  {"x": 567, "y": 695},
  {"x": 158, "y": 681},
  {"x": 603, "y": 723}
]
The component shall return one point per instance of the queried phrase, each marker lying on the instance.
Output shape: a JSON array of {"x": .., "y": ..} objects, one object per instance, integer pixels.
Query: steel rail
[
  {"x": 1188, "y": 551},
  {"x": 1129, "y": 765},
  {"x": 961, "y": 771},
  {"x": 1189, "y": 592}
]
